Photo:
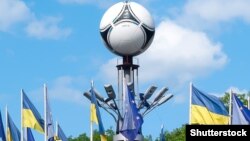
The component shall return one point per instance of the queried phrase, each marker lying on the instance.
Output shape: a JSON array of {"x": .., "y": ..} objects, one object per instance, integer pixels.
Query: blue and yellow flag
[
  {"x": 61, "y": 134},
  {"x": 207, "y": 109},
  {"x": 95, "y": 115},
  {"x": 2, "y": 134},
  {"x": 30, "y": 136},
  {"x": 30, "y": 116},
  {"x": 162, "y": 135},
  {"x": 13, "y": 134}
]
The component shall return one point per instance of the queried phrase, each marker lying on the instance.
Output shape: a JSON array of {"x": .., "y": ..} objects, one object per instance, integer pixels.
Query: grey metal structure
[
  {"x": 113, "y": 104},
  {"x": 128, "y": 70}
]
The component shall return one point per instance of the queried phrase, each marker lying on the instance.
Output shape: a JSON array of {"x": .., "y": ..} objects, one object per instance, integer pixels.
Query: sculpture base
[{"x": 120, "y": 137}]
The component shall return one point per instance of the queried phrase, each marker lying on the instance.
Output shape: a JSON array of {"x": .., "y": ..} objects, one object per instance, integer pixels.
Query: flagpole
[
  {"x": 190, "y": 101},
  {"x": 22, "y": 115},
  {"x": 230, "y": 107},
  {"x": 124, "y": 84},
  {"x": 248, "y": 102},
  {"x": 6, "y": 122},
  {"x": 56, "y": 129},
  {"x": 162, "y": 136},
  {"x": 45, "y": 112},
  {"x": 91, "y": 123}
]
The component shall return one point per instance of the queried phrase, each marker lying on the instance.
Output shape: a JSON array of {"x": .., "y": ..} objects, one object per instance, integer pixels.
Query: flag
[
  {"x": 132, "y": 120},
  {"x": 30, "y": 135},
  {"x": 2, "y": 134},
  {"x": 240, "y": 113},
  {"x": 30, "y": 116},
  {"x": 162, "y": 136},
  {"x": 49, "y": 120},
  {"x": 207, "y": 109},
  {"x": 60, "y": 134},
  {"x": 95, "y": 115},
  {"x": 56, "y": 138},
  {"x": 13, "y": 134}
]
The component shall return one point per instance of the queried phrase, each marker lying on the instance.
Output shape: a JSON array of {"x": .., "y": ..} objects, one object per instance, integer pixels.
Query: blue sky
[{"x": 57, "y": 42}]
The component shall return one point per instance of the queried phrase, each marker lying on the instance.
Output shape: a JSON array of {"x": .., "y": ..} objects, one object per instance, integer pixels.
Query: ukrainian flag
[
  {"x": 60, "y": 134},
  {"x": 30, "y": 116},
  {"x": 13, "y": 134},
  {"x": 2, "y": 134},
  {"x": 95, "y": 115},
  {"x": 30, "y": 136},
  {"x": 207, "y": 109}
]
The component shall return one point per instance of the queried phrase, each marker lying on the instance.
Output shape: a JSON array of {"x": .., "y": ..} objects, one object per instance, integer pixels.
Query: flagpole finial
[
  {"x": 191, "y": 83},
  {"x": 92, "y": 83}
]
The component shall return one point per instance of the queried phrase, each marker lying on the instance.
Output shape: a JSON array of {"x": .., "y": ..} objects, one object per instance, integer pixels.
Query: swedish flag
[
  {"x": 30, "y": 116},
  {"x": 207, "y": 109}
]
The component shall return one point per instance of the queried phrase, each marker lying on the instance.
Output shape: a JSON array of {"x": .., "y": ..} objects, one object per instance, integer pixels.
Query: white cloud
[
  {"x": 237, "y": 90},
  {"x": 100, "y": 3},
  {"x": 234, "y": 90},
  {"x": 47, "y": 28},
  {"x": 206, "y": 14},
  {"x": 176, "y": 56},
  {"x": 64, "y": 89},
  {"x": 13, "y": 12},
  {"x": 75, "y": 1},
  {"x": 179, "y": 98},
  {"x": 107, "y": 71},
  {"x": 181, "y": 53}
]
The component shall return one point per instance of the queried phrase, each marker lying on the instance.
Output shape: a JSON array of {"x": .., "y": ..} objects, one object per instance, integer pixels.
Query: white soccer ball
[{"x": 127, "y": 29}]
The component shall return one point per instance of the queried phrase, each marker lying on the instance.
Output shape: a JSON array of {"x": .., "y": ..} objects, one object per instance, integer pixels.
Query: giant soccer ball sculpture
[{"x": 127, "y": 29}]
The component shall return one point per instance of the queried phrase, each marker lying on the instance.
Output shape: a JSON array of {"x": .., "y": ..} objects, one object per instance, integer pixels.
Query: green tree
[
  {"x": 110, "y": 133},
  {"x": 81, "y": 137},
  {"x": 226, "y": 98},
  {"x": 96, "y": 136},
  {"x": 148, "y": 138},
  {"x": 177, "y": 134}
]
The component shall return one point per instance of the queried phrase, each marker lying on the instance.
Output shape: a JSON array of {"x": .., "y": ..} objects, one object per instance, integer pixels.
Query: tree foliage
[
  {"x": 148, "y": 138},
  {"x": 177, "y": 134},
  {"x": 226, "y": 98},
  {"x": 81, "y": 137},
  {"x": 96, "y": 136}
]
